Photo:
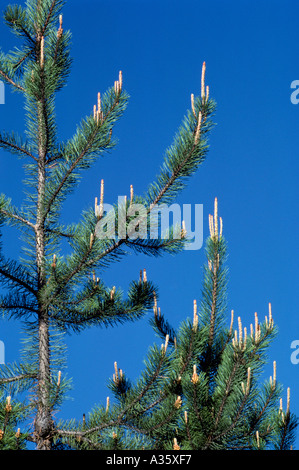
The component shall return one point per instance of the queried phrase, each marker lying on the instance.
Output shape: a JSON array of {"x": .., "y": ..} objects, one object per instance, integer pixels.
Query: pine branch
[
  {"x": 15, "y": 275},
  {"x": 17, "y": 218},
  {"x": 9, "y": 212},
  {"x": 17, "y": 377},
  {"x": 14, "y": 144},
  {"x": 162, "y": 326},
  {"x": 16, "y": 18},
  {"x": 91, "y": 140},
  {"x": 214, "y": 436},
  {"x": 10, "y": 81},
  {"x": 187, "y": 152},
  {"x": 49, "y": 16},
  {"x": 18, "y": 305},
  {"x": 102, "y": 307},
  {"x": 128, "y": 414}
]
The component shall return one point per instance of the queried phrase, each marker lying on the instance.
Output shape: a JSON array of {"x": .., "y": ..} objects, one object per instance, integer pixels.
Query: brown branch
[
  {"x": 9, "y": 80},
  {"x": 17, "y": 217},
  {"x": 16, "y": 378},
  {"x": 22, "y": 60},
  {"x": 16, "y": 147},
  {"x": 13, "y": 278},
  {"x": 48, "y": 17},
  {"x": 12, "y": 307}
]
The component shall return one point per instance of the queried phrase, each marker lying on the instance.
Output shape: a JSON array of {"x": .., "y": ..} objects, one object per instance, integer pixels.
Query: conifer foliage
[
  {"x": 202, "y": 389},
  {"x": 49, "y": 291}
]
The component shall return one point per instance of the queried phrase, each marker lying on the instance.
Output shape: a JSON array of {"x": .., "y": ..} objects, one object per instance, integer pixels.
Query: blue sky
[{"x": 252, "y": 56}]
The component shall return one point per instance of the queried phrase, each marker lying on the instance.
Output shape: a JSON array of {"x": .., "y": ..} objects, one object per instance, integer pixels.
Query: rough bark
[{"x": 43, "y": 419}]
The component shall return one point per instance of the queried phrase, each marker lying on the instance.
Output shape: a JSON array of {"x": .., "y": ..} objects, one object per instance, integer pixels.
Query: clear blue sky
[{"x": 251, "y": 49}]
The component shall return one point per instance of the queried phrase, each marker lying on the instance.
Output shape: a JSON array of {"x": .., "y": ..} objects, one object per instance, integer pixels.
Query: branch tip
[
  {"x": 175, "y": 444},
  {"x": 42, "y": 58},
  {"x": 203, "y": 72}
]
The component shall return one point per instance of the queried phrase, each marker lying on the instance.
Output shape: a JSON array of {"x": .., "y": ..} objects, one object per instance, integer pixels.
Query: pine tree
[
  {"x": 202, "y": 389},
  {"x": 50, "y": 292}
]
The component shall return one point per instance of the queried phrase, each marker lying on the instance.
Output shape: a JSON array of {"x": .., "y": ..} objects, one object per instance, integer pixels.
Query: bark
[{"x": 43, "y": 420}]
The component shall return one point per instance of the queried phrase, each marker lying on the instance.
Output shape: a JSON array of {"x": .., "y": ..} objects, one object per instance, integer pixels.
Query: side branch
[
  {"x": 17, "y": 218},
  {"x": 16, "y": 148},
  {"x": 17, "y": 281},
  {"x": 67, "y": 175},
  {"x": 17, "y": 378},
  {"x": 9, "y": 80}
]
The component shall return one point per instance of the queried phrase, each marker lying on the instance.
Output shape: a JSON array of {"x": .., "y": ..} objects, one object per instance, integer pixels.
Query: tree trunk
[{"x": 43, "y": 419}]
